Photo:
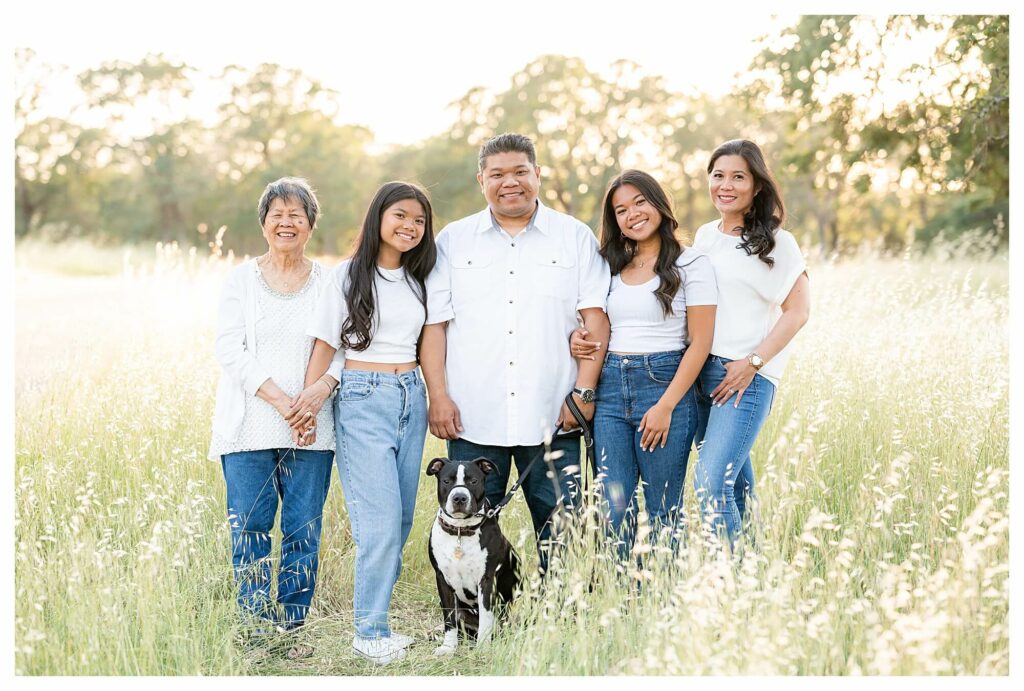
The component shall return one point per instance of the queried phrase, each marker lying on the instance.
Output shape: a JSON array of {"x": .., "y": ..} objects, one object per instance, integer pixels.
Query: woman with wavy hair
[
  {"x": 764, "y": 300},
  {"x": 374, "y": 308},
  {"x": 661, "y": 306}
]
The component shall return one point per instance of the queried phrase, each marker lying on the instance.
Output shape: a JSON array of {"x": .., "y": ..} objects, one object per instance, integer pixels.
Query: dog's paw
[{"x": 444, "y": 650}]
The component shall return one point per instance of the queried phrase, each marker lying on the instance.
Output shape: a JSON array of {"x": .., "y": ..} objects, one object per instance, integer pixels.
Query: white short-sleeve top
[
  {"x": 511, "y": 304},
  {"x": 398, "y": 316},
  {"x": 639, "y": 325},
  {"x": 750, "y": 293}
]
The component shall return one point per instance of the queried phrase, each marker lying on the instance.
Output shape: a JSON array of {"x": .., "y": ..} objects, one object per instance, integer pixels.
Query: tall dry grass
[{"x": 882, "y": 473}]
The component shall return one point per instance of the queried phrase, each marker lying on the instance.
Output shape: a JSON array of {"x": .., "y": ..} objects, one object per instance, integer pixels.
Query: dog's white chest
[{"x": 461, "y": 561}]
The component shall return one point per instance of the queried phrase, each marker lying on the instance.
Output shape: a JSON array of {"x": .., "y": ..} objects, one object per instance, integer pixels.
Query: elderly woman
[{"x": 263, "y": 349}]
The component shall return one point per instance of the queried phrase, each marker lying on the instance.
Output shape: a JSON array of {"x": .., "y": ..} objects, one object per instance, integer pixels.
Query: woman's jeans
[
  {"x": 724, "y": 476},
  {"x": 630, "y": 385},
  {"x": 381, "y": 423},
  {"x": 256, "y": 482}
]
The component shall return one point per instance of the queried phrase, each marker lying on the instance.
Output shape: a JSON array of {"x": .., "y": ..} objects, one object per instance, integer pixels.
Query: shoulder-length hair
[
  {"x": 360, "y": 293},
  {"x": 618, "y": 250},
  {"x": 767, "y": 213}
]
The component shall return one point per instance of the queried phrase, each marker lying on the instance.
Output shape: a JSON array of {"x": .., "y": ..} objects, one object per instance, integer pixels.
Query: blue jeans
[
  {"x": 538, "y": 489},
  {"x": 257, "y": 481},
  {"x": 630, "y": 385},
  {"x": 381, "y": 423},
  {"x": 724, "y": 478}
]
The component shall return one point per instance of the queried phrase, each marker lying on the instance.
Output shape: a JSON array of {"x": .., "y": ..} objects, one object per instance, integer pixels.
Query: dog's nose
[{"x": 460, "y": 500}]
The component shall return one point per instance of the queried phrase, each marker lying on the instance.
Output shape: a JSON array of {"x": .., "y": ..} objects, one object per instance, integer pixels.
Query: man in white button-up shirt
[{"x": 507, "y": 287}]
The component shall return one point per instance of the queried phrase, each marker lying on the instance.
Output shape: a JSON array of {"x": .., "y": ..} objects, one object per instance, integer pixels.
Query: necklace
[
  {"x": 283, "y": 281},
  {"x": 643, "y": 261}
]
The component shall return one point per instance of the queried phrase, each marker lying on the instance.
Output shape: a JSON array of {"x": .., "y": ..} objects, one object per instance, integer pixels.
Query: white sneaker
[
  {"x": 402, "y": 640},
  {"x": 380, "y": 651}
]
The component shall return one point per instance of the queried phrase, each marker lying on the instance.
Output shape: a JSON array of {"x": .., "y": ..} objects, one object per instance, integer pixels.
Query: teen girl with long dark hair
[
  {"x": 661, "y": 307},
  {"x": 374, "y": 309}
]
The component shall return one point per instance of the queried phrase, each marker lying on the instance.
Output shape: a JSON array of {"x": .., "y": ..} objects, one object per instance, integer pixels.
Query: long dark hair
[
  {"x": 766, "y": 214},
  {"x": 618, "y": 250},
  {"x": 360, "y": 293}
]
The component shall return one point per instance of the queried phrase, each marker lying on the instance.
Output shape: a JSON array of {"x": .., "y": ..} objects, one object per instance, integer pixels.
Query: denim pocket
[
  {"x": 662, "y": 372},
  {"x": 355, "y": 391}
]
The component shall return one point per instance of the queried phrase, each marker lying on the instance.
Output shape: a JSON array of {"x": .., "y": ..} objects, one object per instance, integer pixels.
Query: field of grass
[{"x": 882, "y": 472}]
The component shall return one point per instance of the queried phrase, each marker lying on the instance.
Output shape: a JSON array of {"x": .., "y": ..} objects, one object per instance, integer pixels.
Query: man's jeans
[
  {"x": 538, "y": 488},
  {"x": 256, "y": 482},
  {"x": 381, "y": 424},
  {"x": 630, "y": 385},
  {"x": 724, "y": 476}
]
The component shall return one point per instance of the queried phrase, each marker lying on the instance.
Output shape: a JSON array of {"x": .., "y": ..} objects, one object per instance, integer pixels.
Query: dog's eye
[
  {"x": 447, "y": 481},
  {"x": 473, "y": 481}
]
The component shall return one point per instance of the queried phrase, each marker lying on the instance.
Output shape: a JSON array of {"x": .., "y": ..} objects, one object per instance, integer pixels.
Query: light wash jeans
[
  {"x": 629, "y": 386},
  {"x": 257, "y": 482},
  {"x": 724, "y": 477},
  {"x": 381, "y": 423}
]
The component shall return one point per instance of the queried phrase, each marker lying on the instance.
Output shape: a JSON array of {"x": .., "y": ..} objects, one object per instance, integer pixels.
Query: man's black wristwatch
[{"x": 586, "y": 395}]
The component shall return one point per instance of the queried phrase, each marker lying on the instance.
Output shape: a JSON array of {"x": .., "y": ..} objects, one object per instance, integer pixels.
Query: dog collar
[{"x": 457, "y": 529}]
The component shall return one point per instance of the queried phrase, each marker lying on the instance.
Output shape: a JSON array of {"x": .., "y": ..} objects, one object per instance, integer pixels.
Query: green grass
[{"x": 882, "y": 472}]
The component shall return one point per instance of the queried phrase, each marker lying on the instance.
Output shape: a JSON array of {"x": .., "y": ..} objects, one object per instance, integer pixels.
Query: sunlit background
[
  {"x": 885, "y": 132},
  {"x": 144, "y": 135}
]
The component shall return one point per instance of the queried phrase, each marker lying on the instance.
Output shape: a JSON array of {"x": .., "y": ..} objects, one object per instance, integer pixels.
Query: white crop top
[
  {"x": 638, "y": 323},
  {"x": 750, "y": 293},
  {"x": 398, "y": 316}
]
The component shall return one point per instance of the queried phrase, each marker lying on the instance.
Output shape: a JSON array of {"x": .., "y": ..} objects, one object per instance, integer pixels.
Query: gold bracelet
[{"x": 330, "y": 389}]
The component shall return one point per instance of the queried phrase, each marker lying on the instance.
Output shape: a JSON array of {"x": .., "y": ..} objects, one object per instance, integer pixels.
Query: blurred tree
[
  {"x": 54, "y": 159},
  {"x": 167, "y": 159},
  {"x": 943, "y": 118},
  {"x": 445, "y": 165},
  {"x": 583, "y": 124},
  {"x": 278, "y": 122}
]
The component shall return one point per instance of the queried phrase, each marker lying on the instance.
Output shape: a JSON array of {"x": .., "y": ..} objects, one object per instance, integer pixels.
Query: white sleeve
[
  {"x": 331, "y": 309},
  {"x": 594, "y": 276},
  {"x": 699, "y": 284},
  {"x": 337, "y": 364},
  {"x": 439, "y": 283},
  {"x": 231, "y": 349},
  {"x": 789, "y": 264}
]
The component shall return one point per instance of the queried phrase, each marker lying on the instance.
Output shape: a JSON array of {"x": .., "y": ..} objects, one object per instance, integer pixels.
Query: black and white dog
[{"x": 476, "y": 567}]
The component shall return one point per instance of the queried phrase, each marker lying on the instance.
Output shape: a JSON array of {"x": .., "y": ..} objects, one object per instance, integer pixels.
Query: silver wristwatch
[{"x": 586, "y": 395}]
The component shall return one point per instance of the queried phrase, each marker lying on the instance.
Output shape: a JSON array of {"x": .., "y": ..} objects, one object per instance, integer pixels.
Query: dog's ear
[
  {"x": 485, "y": 465},
  {"x": 434, "y": 467}
]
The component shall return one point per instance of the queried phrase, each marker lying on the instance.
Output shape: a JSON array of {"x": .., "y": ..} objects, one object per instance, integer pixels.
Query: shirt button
[
  {"x": 511, "y": 272},
  {"x": 513, "y": 244},
  {"x": 510, "y": 302},
  {"x": 510, "y": 332},
  {"x": 553, "y": 261},
  {"x": 511, "y": 364},
  {"x": 469, "y": 262},
  {"x": 513, "y": 393}
]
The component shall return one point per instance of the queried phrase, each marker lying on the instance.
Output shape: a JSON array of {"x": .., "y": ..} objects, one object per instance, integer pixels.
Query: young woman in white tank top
[{"x": 662, "y": 313}]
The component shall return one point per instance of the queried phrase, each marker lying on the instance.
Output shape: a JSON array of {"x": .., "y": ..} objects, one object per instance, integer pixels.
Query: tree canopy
[{"x": 881, "y": 130}]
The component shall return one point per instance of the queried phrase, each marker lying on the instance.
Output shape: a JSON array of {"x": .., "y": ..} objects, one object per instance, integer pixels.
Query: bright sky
[{"x": 399, "y": 64}]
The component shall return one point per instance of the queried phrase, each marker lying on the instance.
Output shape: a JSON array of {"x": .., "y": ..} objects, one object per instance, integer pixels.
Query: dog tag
[{"x": 458, "y": 554}]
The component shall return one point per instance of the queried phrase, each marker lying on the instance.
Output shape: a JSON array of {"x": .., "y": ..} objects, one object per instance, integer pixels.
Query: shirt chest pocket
[
  {"x": 472, "y": 276},
  {"x": 553, "y": 273}
]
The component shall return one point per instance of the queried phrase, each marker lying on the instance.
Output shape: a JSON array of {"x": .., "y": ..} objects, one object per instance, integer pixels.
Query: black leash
[{"x": 588, "y": 442}]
